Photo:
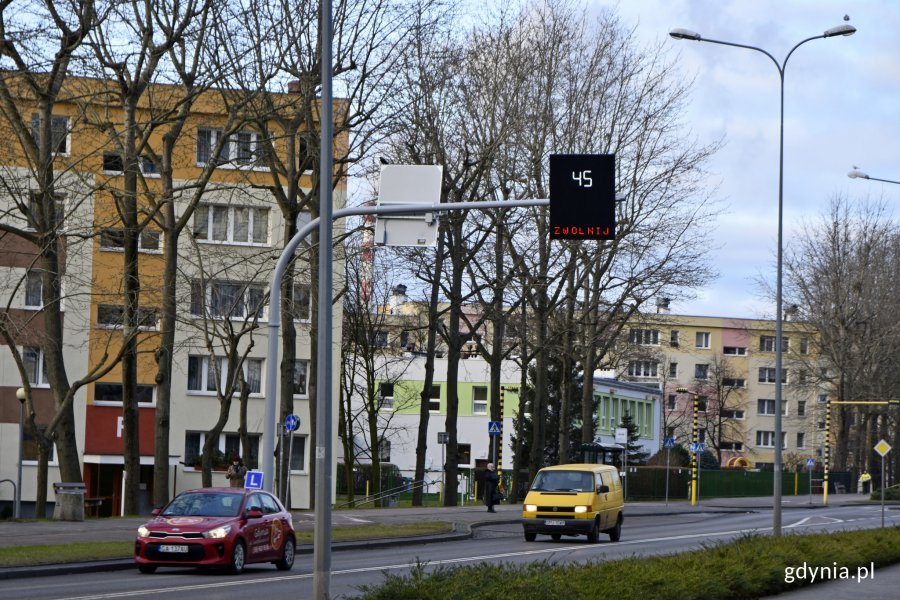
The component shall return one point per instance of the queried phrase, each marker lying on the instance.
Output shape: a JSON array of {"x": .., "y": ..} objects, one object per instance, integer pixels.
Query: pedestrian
[
  {"x": 236, "y": 472},
  {"x": 491, "y": 491},
  {"x": 865, "y": 482}
]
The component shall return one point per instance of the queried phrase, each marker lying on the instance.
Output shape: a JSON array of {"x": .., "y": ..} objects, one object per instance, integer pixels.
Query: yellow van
[{"x": 578, "y": 499}]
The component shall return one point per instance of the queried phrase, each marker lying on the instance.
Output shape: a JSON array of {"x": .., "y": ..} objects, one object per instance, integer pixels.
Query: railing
[{"x": 389, "y": 494}]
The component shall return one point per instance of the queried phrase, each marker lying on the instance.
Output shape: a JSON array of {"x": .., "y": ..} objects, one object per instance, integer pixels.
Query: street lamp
[
  {"x": 840, "y": 30},
  {"x": 857, "y": 174},
  {"x": 17, "y": 508}
]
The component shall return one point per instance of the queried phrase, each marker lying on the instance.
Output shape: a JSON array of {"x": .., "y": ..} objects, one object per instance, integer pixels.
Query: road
[{"x": 645, "y": 535}]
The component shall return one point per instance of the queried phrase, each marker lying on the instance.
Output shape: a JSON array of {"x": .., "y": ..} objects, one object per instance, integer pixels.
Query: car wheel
[
  {"x": 147, "y": 569},
  {"x": 556, "y": 537},
  {"x": 616, "y": 532},
  {"x": 530, "y": 537},
  {"x": 238, "y": 558},
  {"x": 287, "y": 559},
  {"x": 593, "y": 535}
]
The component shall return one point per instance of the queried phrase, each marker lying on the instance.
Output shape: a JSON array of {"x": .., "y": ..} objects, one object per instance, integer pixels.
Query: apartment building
[
  {"x": 226, "y": 255},
  {"x": 729, "y": 364}
]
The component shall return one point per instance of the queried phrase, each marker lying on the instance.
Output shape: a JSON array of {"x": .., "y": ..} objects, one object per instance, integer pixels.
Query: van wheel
[
  {"x": 593, "y": 535},
  {"x": 556, "y": 537},
  {"x": 530, "y": 537},
  {"x": 616, "y": 532}
]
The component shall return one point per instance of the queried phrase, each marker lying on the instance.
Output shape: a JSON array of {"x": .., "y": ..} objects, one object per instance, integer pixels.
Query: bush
[{"x": 891, "y": 493}]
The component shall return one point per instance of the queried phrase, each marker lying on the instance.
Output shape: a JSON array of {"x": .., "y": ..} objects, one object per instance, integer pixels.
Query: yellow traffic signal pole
[{"x": 695, "y": 433}]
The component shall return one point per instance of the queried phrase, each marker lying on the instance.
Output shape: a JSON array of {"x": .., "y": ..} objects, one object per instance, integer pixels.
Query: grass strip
[
  {"x": 749, "y": 567},
  {"x": 27, "y": 556}
]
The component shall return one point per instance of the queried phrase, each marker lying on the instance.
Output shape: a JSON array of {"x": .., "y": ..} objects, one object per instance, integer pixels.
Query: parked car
[{"x": 210, "y": 527}]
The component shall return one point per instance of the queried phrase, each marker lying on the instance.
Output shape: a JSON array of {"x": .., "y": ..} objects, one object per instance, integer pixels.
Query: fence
[{"x": 649, "y": 483}]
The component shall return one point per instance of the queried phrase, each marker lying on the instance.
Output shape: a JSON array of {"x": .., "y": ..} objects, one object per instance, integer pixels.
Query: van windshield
[{"x": 563, "y": 481}]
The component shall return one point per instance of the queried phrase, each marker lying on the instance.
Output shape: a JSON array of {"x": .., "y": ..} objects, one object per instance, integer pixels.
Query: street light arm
[{"x": 856, "y": 174}]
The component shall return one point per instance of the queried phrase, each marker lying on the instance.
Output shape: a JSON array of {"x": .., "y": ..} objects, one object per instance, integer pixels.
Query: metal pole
[
  {"x": 18, "y": 497},
  {"x": 290, "y": 456},
  {"x": 827, "y": 451},
  {"x": 322, "y": 534},
  {"x": 882, "y": 491},
  {"x": 695, "y": 431},
  {"x": 810, "y": 485}
]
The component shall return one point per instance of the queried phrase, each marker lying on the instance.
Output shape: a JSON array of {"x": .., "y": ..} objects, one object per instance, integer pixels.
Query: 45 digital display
[{"x": 582, "y": 196}]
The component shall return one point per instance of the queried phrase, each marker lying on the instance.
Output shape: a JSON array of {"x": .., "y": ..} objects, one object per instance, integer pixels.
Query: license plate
[
  {"x": 553, "y": 522},
  {"x": 170, "y": 548}
]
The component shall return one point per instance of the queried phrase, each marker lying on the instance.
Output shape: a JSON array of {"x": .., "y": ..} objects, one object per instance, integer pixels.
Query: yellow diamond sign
[{"x": 882, "y": 447}]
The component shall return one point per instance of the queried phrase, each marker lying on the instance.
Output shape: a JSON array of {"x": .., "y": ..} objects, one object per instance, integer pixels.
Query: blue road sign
[
  {"x": 810, "y": 462},
  {"x": 292, "y": 422},
  {"x": 697, "y": 446},
  {"x": 495, "y": 427},
  {"x": 669, "y": 443},
  {"x": 254, "y": 480}
]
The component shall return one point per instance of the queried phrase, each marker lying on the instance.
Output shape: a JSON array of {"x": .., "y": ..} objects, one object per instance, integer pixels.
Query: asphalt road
[{"x": 645, "y": 535}]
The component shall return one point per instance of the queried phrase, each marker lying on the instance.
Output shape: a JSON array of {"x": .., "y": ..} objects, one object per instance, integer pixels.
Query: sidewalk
[{"x": 464, "y": 519}]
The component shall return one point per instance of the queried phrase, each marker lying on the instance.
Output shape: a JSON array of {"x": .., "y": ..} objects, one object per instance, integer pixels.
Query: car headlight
[
  {"x": 143, "y": 531},
  {"x": 531, "y": 508},
  {"x": 581, "y": 509},
  {"x": 218, "y": 532}
]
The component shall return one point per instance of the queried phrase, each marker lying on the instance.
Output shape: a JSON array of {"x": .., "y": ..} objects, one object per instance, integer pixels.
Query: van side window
[
  {"x": 616, "y": 482},
  {"x": 599, "y": 481}
]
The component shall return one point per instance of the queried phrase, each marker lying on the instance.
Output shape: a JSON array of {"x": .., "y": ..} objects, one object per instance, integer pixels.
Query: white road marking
[{"x": 357, "y": 520}]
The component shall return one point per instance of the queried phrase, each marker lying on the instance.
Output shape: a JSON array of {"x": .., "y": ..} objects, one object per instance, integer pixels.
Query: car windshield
[
  {"x": 205, "y": 504},
  {"x": 563, "y": 481}
]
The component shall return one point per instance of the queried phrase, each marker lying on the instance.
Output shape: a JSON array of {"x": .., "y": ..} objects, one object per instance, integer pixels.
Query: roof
[{"x": 645, "y": 388}]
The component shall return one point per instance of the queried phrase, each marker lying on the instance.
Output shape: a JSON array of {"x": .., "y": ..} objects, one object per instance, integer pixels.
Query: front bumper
[
  {"x": 549, "y": 525},
  {"x": 205, "y": 552}
]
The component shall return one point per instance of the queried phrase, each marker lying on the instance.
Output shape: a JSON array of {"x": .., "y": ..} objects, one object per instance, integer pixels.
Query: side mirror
[
  {"x": 603, "y": 489},
  {"x": 253, "y": 513}
]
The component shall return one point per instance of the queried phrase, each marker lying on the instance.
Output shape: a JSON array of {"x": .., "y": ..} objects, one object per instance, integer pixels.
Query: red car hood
[{"x": 187, "y": 523}]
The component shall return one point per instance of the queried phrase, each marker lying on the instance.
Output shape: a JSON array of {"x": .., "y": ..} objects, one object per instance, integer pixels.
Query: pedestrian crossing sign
[{"x": 495, "y": 428}]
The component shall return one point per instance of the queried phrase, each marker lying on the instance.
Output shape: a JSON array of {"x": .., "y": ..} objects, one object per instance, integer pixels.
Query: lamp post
[
  {"x": 17, "y": 508},
  {"x": 840, "y": 30},
  {"x": 857, "y": 174}
]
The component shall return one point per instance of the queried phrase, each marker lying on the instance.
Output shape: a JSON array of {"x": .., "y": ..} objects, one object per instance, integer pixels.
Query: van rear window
[{"x": 563, "y": 481}]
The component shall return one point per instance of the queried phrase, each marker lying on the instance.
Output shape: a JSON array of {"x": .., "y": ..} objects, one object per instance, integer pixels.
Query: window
[
  {"x": 767, "y": 343},
  {"x": 434, "y": 402},
  {"x": 734, "y": 382},
  {"x": 702, "y": 339},
  {"x": 671, "y": 402},
  {"x": 226, "y": 299},
  {"x": 202, "y": 374},
  {"x": 34, "y": 285},
  {"x": 30, "y": 446},
  {"x": 37, "y": 219},
  {"x": 804, "y": 345},
  {"x": 114, "y": 239},
  {"x": 404, "y": 339},
  {"x": 801, "y": 376},
  {"x": 701, "y": 371},
  {"x": 386, "y": 395},
  {"x": 766, "y": 439},
  {"x": 801, "y": 408},
  {"x": 765, "y": 407},
  {"x": 112, "y": 392},
  {"x": 673, "y": 369},
  {"x": 59, "y": 132},
  {"x": 229, "y": 445},
  {"x": 231, "y": 224},
  {"x": 381, "y": 339},
  {"x": 113, "y": 315},
  {"x": 732, "y": 446},
  {"x": 823, "y": 398},
  {"x": 245, "y": 148},
  {"x": 801, "y": 439},
  {"x": 305, "y": 159},
  {"x": 112, "y": 163},
  {"x": 767, "y": 375},
  {"x": 300, "y": 369},
  {"x": 35, "y": 366},
  {"x": 464, "y": 455},
  {"x": 642, "y": 368},
  {"x": 728, "y": 413},
  {"x": 644, "y": 337},
  {"x": 820, "y": 425},
  {"x": 670, "y": 431},
  {"x": 479, "y": 400},
  {"x": 701, "y": 436},
  {"x": 702, "y": 401},
  {"x": 298, "y": 453},
  {"x": 384, "y": 451},
  {"x": 302, "y": 306},
  {"x": 673, "y": 338},
  {"x": 735, "y": 351}
]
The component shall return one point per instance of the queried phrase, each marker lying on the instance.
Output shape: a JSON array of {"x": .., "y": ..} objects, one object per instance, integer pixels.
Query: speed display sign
[{"x": 582, "y": 196}]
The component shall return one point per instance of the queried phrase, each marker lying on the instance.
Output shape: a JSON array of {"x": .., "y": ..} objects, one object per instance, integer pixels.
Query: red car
[{"x": 228, "y": 527}]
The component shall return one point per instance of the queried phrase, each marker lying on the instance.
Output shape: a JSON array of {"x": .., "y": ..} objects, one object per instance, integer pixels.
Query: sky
[{"x": 842, "y": 109}]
